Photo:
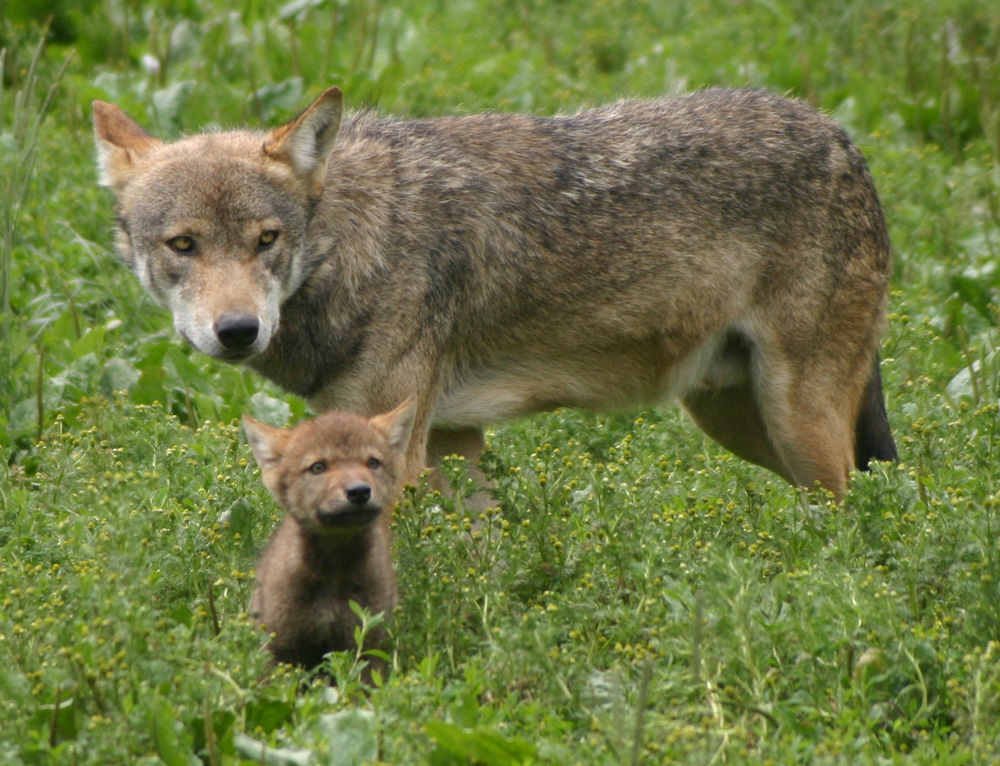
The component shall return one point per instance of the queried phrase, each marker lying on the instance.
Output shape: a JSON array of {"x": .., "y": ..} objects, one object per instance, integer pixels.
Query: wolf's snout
[
  {"x": 359, "y": 494},
  {"x": 237, "y": 332}
]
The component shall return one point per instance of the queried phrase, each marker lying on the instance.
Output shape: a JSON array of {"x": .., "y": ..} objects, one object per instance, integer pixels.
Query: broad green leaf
[
  {"x": 118, "y": 375},
  {"x": 169, "y": 102},
  {"x": 172, "y": 742},
  {"x": 269, "y": 409},
  {"x": 482, "y": 745},
  {"x": 259, "y": 752},
  {"x": 351, "y": 734}
]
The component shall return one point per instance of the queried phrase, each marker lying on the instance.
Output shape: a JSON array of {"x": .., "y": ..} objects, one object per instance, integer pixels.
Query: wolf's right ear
[
  {"x": 266, "y": 442},
  {"x": 305, "y": 142},
  {"x": 121, "y": 142}
]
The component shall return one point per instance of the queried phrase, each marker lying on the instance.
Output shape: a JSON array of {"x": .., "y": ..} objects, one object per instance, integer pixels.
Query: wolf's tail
[{"x": 872, "y": 437}]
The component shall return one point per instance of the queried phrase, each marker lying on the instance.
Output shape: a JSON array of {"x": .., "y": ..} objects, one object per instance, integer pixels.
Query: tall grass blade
[{"x": 21, "y": 118}]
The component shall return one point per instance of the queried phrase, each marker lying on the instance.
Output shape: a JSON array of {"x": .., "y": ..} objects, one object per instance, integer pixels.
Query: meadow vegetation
[{"x": 638, "y": 596}]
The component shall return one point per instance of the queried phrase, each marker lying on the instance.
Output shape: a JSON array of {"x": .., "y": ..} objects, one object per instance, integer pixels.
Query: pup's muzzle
[{"x": 356, "y": 512}]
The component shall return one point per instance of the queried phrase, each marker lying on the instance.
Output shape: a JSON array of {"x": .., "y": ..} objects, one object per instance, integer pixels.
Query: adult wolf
[{"x": 727, "y": 248}]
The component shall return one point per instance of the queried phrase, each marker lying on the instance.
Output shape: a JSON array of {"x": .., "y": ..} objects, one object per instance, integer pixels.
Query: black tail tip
[{"x": 872, "y": 436}]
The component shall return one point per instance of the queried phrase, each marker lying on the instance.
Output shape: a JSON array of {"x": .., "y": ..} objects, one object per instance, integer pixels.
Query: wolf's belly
[{"x": 636, "y": 375}]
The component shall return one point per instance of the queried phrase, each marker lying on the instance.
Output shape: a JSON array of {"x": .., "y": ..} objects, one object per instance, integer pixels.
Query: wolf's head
[
  {"x": 214, "y": 225},
  {"x": 337, "y": 473}
]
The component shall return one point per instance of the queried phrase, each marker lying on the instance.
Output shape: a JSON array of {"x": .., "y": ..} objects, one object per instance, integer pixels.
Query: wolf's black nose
[
  {"x": 237, "y": 331},
  {"x": 359, "y": 494}
]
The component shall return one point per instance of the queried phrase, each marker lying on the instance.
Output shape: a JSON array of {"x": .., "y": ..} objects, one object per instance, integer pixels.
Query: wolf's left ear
[
  {"x": 305, "y": 142},
  {"x": 397, "y": 425},
  {"x": 121, "y": 143}
]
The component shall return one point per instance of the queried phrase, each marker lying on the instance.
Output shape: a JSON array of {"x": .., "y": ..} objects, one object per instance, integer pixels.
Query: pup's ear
[
  {"x": 266, "y": 442},
  {"x": 305, "y": 142},
  {"x": 121, "y": 143},
  {"x": 398, "y": 424}
]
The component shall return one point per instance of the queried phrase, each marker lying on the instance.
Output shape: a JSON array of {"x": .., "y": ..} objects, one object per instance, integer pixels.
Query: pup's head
[
  {"x": 337, "y": 472},
  {"x": 214, "y": 225}
]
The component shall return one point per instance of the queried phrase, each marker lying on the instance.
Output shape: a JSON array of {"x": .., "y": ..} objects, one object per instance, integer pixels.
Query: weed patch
[{"x": 637, "y": 595}]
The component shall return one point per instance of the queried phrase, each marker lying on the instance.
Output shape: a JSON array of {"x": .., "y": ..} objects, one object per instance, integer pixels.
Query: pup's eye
[
  {"x": 181, "y": 244},
  {"x": 374, "y": 462},
  {"x": 318, "y": 467},
  {"x": 267, "y": 239}
]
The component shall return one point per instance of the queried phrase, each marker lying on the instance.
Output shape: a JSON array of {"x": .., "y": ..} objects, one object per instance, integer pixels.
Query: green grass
[{"x": 640, "y": 596}]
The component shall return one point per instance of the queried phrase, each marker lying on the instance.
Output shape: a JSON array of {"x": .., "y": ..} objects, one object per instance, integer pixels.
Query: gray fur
[{"x": 727, "y": 248}]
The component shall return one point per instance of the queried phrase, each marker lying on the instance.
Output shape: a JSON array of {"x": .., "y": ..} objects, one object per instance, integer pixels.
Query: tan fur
[
  {"x": 338, "y": 477},
  {"x": 725, "y": 248}
]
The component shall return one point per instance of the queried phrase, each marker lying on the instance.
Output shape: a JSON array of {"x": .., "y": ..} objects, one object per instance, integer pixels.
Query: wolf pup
[
  {"x": 726, "y": 248},
  {"x": 338, "y": 477}
]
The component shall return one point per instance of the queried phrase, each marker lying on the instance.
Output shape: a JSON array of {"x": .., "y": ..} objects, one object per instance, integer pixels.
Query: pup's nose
[
  {"x": 237, "y": 331},
  {"x": 359, "y": 494}
]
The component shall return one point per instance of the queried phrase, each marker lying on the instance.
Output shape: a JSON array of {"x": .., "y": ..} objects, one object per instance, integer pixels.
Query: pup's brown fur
[
  {"x": 338, "y": 477},
  {"x": 726, "y": 248}
]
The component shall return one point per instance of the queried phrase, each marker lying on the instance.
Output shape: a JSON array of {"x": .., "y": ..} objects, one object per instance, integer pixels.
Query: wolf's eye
[
  {"x": 181, "y": 244},
  {"x": 318, "y": 467},
  {"x": 374, "y": 462},
  {"x": 267, "y": 239}
]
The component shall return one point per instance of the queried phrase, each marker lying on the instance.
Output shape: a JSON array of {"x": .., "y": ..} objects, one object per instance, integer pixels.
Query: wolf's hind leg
[
  {"x": 809, "y": 407},
  {"x": 793, "y": 414},
  {"x": 732, "y": 417}
]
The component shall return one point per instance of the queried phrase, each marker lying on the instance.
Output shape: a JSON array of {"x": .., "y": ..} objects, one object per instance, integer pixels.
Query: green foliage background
[{"x": 639, "y": 596}]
